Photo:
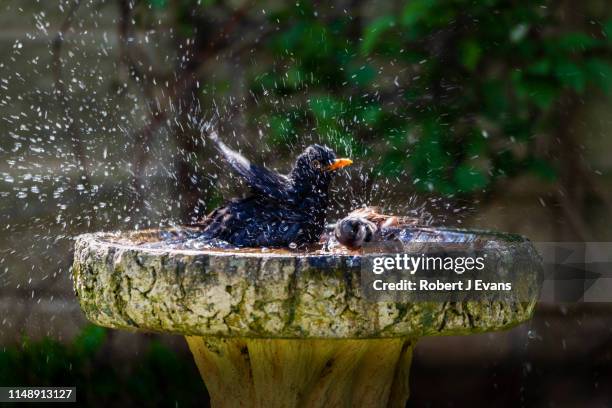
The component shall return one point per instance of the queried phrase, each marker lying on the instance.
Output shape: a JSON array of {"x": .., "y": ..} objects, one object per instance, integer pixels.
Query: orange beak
[{"x": 338, "y": 164}]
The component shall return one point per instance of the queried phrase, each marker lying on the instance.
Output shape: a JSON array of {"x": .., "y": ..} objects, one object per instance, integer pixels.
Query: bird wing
[{"x": 261, "y": 180}]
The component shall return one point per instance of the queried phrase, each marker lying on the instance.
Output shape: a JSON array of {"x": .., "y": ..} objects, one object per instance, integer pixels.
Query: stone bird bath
[{"x": 276, "y": 328}]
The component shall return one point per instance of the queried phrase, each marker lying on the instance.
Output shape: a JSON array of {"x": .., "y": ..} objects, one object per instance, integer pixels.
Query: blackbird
[
  {"x": 281, "y": 210},
  {"x": 368, "y": 225}
]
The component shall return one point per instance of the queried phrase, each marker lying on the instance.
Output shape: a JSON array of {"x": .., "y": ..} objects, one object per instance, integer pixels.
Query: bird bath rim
[{"x": 263, "y": 295}]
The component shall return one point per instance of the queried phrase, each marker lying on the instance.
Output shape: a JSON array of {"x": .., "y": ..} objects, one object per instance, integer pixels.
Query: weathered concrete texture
[{"x": 259, "y": 295}]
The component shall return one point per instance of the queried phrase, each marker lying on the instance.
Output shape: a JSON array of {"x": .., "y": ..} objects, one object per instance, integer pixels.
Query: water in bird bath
[{"x": 191, "y": 239}]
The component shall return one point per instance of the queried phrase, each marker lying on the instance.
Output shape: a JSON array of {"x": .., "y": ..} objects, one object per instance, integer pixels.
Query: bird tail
[
  {"x": 209, "y": 130},
  {"x": 221, "y": 147},
  {"x": 213, "y": 136}
]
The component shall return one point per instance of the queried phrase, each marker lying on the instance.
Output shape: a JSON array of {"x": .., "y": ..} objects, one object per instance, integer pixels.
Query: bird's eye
[{"x": 316, "y": 164}]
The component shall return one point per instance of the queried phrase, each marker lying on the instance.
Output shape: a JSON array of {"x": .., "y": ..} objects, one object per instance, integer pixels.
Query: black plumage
[{"x": 281, "y": 210}]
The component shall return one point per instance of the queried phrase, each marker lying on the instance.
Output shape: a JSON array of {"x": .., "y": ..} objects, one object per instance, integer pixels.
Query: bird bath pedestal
[{"x": 275, "y": 329}]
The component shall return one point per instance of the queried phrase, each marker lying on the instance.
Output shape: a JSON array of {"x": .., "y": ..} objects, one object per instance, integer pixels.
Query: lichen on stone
[{"x": 261, "y": 295}]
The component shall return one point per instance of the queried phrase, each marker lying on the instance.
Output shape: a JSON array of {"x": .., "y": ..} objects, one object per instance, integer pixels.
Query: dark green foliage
[
  {"x": 159, "y": 377},
  {"x": 475, "y": 84}
]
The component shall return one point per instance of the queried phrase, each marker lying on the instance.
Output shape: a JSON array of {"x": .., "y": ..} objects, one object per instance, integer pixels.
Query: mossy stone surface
[{"x": 261, "y": 295}]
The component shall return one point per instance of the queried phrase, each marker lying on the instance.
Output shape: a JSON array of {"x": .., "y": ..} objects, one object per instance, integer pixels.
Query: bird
[
  {"x": 367, "y": 224},
  {"x": 281, "y": 210}
]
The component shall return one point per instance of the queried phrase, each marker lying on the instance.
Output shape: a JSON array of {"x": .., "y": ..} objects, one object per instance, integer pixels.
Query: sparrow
[
  {"x": 281, "y": 210},
  {"x": 367, "y": 225}
]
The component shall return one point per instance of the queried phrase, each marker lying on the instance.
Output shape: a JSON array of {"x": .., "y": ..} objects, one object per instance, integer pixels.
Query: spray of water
[{"x": 102, "y": 129}]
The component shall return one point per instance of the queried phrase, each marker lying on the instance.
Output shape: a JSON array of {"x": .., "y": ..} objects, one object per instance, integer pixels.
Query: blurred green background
[{"x": 481, "y": 113}]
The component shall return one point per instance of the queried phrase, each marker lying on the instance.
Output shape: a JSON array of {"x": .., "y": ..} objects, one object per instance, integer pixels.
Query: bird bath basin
[{"x": 280, "y": 328}]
